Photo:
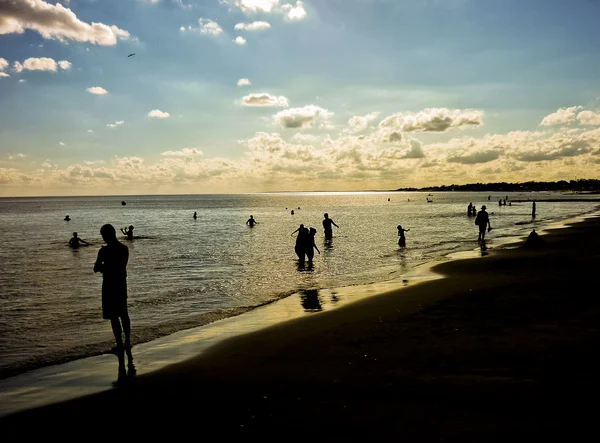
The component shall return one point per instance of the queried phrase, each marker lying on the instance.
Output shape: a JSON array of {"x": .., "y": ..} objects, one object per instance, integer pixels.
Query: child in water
[
  {"x": 402, "y": 240},
  {"x": 76, "y": 241},
  {"x": 310, "y": 244},
  {"x": 128, "y": 232}
]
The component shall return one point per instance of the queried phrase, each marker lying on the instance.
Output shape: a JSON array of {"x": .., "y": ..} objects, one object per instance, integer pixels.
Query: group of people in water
[{"x": 305, "y": 240}]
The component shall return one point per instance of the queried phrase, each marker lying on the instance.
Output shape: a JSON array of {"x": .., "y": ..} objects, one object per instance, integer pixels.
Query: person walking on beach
[
  {"x": 327, "y": 222},
  {"x": 533, "y": 210},
  {"x": 483, "y": 221},
  {"x": 112, "y": 264},
  {"x": 469, "y": 209},
  {"x": 310, "y": 245},
  {"x": 75, "y": 241},
  {"x": 251, "y": 222},
  {"x": 128, "y": 232},
  {"x": 402, "y": 239}
]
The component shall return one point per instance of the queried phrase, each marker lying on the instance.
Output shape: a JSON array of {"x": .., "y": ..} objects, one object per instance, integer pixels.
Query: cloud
[
  {"x": 244, "y": 82},
  {"x": 97, "y": 90},
  {"x": 182, "y": 29},
  {"x": 90, "y": 131},
  {"x": 208, "y": 26},
  {"x": 41, "y": 64},
  {"x": 240, "y": 41},
  {"x": 294, "y": 12},
  {"x": 22, "y": 80},
  {"x": 360, "y": 123},
  {"x": 477, "y": 157},
  {"x": 54, "y": 22},
  {"x": 3, "y": 64},
  {"x": 431, "y": 120},
  {"x": 589, "y": 118},
  {"x": 265, "y": 100},
  {"x": 254, "y": 26},
  {"x": 571, "y": 148},
  {"x": 254, "y": 6},
  {"x": 305, "y": 117},
  {"x": 61, "y": 143},
  {"x": 4, "y": 74},
  {"x": 561, "y": 117},
  {"x": 185, "y": 152},
  {"x": 115, "y": 124},
  {"x": 157, "y": 113}
]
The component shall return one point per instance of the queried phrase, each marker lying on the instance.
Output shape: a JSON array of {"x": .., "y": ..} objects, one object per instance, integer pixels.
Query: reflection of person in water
[
  {"x": 128, "y": 232},
  {"x": 251, "y": 222},
  {"x": 112, "y": 263},
  {"x": 310, "y": 300},
  {"x": 310, "y": 246},
  {"x": 67, "y": 218},
  {"x": 402, "y": 239},
  {"x": 327, "y": 222},
  {"x": 533, "y": 210},
  {"x": 75, "y": 241}
]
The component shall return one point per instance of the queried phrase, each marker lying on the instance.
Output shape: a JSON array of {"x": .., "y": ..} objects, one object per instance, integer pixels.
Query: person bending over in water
[
  {"x": 75, "y": 241},
  {"x": 128, "y": 232},
  {"x": 402, "y": 239},
  {"x": 251, "y": 221},
  {"x": 310, "y": 246},
  {"x": 327, "y": 222},
  {"x": 112, "y": 263}
]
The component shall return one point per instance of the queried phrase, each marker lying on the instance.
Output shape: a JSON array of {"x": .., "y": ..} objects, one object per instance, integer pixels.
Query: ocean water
[{"x": 184, "y": 273}]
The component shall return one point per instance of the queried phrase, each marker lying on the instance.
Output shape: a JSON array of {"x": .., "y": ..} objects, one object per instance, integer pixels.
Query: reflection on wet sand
[{"x": 310, "y": 300}]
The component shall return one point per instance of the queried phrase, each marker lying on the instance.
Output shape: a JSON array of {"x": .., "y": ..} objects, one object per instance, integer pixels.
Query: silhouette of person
[
  {"x": 310, "y": 300},
  {"x": 504, "y": 202},
  {"x": 67, "y": 218},
  {"x": 483, "y": 221},
  {"x": 534, "y": 240},
  {"x": 402, "y": 239},
  {"x": 301, "y": 240},
  {"x": 251, "y": 222},
  {"x": 128, "y": 232},
  {"x": 327, "y": 222},
  {"x": 112, "y": 264},
  {"x": 310, "y": 245},
  {"x": 474, "y": 210},
  {"x": 195, "y": 215},
  {"x": 500, "y": 202},
  {"x": 75, "y": 241},
  {"x": 470, "y": 209},
  {"x": 489, "y": 197},
  {"x": 533, "y": 210},
  {"x": 292, "y": 212}
]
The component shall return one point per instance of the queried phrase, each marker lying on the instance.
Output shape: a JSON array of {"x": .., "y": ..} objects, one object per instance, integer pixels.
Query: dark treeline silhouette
[{"x": 582, "y": 185}]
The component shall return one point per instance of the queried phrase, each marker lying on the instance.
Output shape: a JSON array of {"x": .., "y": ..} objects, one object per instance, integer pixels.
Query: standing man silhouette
[
  {"x": 327, "y": 222},
  {"x": 483, "y": 221},
  {"x": 112, "y": 263}
]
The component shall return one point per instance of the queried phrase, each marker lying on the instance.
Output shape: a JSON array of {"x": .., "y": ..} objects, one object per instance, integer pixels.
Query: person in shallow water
[
  {"x": 469, "y": 209},
  {"x": 251, "y": 221},
  {"x": 310, "y": 246},
  {"x": 327, "y": 222},
  {"x": 483, "y": 221},
  {"x": 301, "y": 240},
  {"x": 75, "y": 241},
  {"x": 402, "y": 239},
  {"x": 128, "y": 232},
  {"x": 195, "y": 215},
  {"x": 67, "y": 218},
  {"x": 112, "y": 264}
]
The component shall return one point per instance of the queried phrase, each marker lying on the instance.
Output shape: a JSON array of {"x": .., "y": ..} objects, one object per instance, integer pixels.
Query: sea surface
[{"x": 184, "y": 273}]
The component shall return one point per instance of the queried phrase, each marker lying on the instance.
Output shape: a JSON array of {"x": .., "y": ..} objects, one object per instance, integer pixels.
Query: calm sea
[{"x": 184, "y": 272}]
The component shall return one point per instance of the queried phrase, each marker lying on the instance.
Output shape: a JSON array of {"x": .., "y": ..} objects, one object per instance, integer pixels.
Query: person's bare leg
[
  {"x": 127, "y": 330},
  {"x": 116, "y": 327}
]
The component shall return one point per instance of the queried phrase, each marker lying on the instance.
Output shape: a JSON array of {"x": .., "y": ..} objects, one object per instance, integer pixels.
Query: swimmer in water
[
  {"x": 251, "y": 222},
  {"x": 75, "y": 241},
  {"x": 67, "y": 218},
  {"x": 195, "y": 215},
  {"x": 128, "y": 232}
]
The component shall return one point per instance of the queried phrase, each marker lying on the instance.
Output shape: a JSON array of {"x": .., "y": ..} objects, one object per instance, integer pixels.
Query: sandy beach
[{"x": 503, "y": 347}]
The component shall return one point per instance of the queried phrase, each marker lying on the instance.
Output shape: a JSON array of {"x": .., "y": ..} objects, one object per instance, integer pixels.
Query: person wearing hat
[{"x": 483, "y": 221}]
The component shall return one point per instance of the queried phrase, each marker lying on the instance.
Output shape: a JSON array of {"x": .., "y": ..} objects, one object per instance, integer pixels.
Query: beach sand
[{"x": 504, "y": 347}]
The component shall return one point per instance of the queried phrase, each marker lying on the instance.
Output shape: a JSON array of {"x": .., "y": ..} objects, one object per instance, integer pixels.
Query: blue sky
[{"x": 343, "y": 94}]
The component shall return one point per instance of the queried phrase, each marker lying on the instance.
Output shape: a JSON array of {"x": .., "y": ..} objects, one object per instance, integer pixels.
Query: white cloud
[
  {"x": 41, "y": 64},
  {"x": 240, "y": 41},
  {"x": 305, "y": 117},
  {"x": 561, "y": 117},
  {"x": 22, "y": 80},
  {"x": 254, "y": 26},
  {"x": 589, "y": 118},
  {"x": 97, "y": 90},
  {"x": 185, "y": 152},
  {"x": 61, "y": 143},
  {"x": 210, "y": 27},
  {"x": 157, "y": 113},
  {"x": 94, "y": 162},
  {"x": 254, "y": 6},
  {"x": 294, "y": 12},
  {"x": 4, "y": 74},
  {"x": 360, "y": 123},
  {"x": 54, "y": 22},
  {"x": 182, "y": 29},
  {"x": 90, "y": 131},
  {"x": 115, "y": 124},
  {"x": 243, "y": 82},
  {"x": 265, "y": 100},
  {"x": 431, "y": 120},
  {"x": 3, "y": 64}
]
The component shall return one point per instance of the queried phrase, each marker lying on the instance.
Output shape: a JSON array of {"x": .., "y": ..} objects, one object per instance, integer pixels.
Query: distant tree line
[{"x": 562, "y": 185}]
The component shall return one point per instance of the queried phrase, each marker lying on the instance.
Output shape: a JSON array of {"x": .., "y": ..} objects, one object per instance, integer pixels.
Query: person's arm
[
  {"x": 335, "y": 224},
  {"x": 99, "y": 265},
  {"x": 294, "y": 232},
  {"x": 406, "y": 230},
  {"x": 71, "y": 241},
  {"x": 124, "y": 232},
  {"x": 84, "y": 242},
  {"x": 247, "y": 221},
  {"x": 316, "y": 248}
]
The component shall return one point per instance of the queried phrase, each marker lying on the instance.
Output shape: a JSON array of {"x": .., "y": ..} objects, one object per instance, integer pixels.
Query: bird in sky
[{"x": 130, "y": 55}]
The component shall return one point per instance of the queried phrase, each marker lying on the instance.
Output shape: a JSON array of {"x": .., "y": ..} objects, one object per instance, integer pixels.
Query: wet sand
[{"x": 502, "y": 348}]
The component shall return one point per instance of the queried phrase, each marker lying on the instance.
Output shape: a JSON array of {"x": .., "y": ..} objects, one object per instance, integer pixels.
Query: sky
[{"x": 241, "y": 96}]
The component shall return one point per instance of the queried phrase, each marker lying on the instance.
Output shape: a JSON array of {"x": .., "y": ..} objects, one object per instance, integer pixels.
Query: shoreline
[{"x": 49, "y": 384}]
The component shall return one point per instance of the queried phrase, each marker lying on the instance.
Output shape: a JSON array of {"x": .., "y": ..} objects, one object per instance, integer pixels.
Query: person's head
[
  {"x": 313, "y": 231},
  {"x": 326, "y": 215},
  {"x": 74, "y": 234},
  {"x": 483, "y": 207},
  {"x": 131, "y": 227},
  {"x": 251, "y": 216},
  {"x": 301, "y": 227},
  {"x": 399, "y": 227},
  {"x": 108, "y": 232}
]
